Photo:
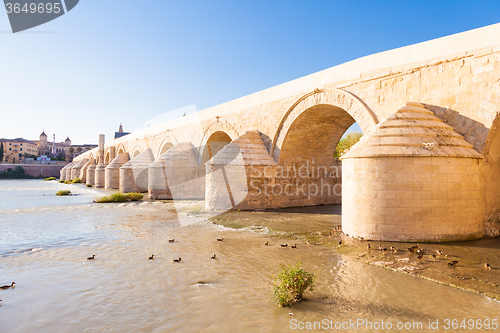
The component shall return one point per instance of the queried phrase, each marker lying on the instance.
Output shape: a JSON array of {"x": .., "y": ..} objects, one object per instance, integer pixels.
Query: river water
[{"x": 45, "y": 240}]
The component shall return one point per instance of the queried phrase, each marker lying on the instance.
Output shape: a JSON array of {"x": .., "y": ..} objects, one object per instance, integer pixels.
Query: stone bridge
[{"x": 427, "y": 168}]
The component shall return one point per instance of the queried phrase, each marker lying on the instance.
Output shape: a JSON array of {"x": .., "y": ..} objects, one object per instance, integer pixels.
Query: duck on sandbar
[
  {"x": 90, "y": 258},
  {"x": 284, "y": 245},
  {"x": 152, "y": 257},
  {"x": 178, "y": 260},
  {"x": 294, "y": 246},
  {"x": 487, "y": 266},
  {"x": 213, "y": 257},
  {"x": 7, "y": 286},
  {"x": 171, "y": 240},
  {"x": 453, "y": 263},
  {"x": 267, "y": 243},
  {"x": 220, "y": 239}
]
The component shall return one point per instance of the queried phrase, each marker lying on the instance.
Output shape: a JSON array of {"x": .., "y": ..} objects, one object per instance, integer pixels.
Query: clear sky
[{"x": 112, "y": 61}]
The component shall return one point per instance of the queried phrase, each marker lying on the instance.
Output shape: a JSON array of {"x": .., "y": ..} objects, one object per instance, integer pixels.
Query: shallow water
[{"x": 45, "y": 241}]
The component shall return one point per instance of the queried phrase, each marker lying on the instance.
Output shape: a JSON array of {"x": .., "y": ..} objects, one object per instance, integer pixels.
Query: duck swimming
[
  {"x": 213, "y": 257},
  {"x": 284, "y": 245},
  {"x": 178, "y": 260},
  {"x": 171, "y": 240},
  {"x": 294, "y": 246},
  {"x": 220, "y": 239},
  {"x": 152, "y": 257},
  {"x": 7, "y": 286},
  {"x": 90, "y": 258}
]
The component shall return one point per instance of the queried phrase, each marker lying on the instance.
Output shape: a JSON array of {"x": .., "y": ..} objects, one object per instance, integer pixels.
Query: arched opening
[
  {"x": 106, "y": 159},
  {"x": 214, "y": 144},
  {"x": 166, "y": 147},
  {"x": 137, "y": 152},
  {"x": 309, "y": 171},
  {"x": 121, "y": 151}
]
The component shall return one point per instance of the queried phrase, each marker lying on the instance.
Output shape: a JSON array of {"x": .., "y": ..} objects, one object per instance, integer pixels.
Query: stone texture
[
  {"x": 399, "y": 190},
  {"x": 134, "y": 173},
  {"x": 112, "y": 172},
  {"x": 176, "y": 175}
]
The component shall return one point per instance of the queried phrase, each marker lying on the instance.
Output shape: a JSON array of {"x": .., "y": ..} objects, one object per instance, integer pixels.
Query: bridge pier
[
  {"x": 90, "y": 177},
  {"x": 76, "y": 169},
  {"x": 100, "y": 175},
  {"x": 134, "y": 173},
  {"x": 176, "y": 175},
  {"x": 112, "y": 172},
  {"x": 413, "y": 179},
  {"x": 68, "y": 173}
]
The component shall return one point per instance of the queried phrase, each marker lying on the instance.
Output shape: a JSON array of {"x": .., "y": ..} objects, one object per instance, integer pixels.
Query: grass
[
  {"x": 50, "y": 178},
  {"x": 61, "y": 193},
  {"x": 291, "y": 283},
  {"x": 89, "y": 185},
  {"x": 196, "y": 209},
  {"x": 61, "y": 181},
  {"x": 120, "y": 197},
  {"x": 76, "y": 181}
]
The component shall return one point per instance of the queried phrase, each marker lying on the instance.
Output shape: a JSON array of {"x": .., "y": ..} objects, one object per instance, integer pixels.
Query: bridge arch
[
  {"x": 165, "y": 144},
  {"x": 218, "y": 134},
  {"x": 325, "y": 112},
  {"x": 121, "y": 149}
]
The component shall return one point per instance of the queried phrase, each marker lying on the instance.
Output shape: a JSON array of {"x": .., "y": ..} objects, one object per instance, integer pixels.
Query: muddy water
[{"x": 45, "y": 240}]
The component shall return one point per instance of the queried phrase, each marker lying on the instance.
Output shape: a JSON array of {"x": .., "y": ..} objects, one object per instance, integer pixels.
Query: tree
[
  {"x": 346, "y": 143},
  {"x": 1, "y": 152}
]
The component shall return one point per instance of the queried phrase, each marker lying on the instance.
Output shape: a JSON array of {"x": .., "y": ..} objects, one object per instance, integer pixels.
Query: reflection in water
[{"x": 45, "y": 242}]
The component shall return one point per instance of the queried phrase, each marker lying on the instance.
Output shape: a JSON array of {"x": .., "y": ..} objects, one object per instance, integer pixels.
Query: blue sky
[{"x": 112, "y": 61}]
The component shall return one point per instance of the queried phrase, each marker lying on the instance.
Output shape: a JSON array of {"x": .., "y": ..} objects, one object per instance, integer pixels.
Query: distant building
[
  {"x": 60, "y": 150},
  {"x": 120, "y": 132},
  {"x": 16, "y": 150}
]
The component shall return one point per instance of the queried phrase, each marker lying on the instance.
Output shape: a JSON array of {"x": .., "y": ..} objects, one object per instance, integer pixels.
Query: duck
[
  {"x": 284, "y": 245},
  {"x": 178, "y": 260},
  {"x": 91, "y": 258},
  {"x": 171, "y": 240},
  {"x": 7, "y": 286},
  {"x": 220, "y": 239},
  {"x": 340, "y": 242},
  {"x": 420, "y": 257},
  {"x": 453, "y": 263},
  {"x": 433, "y": 256},
  {"x": 439, "y": 252},
  {"x": 487, "y": 266},
  {"x": 361, "y": 238},
  {"x": 152, "y": 257},
  {"x": 294, "y": 246},
  {"x": 393, "y": 249},
  {"x": 213, "y": 257},
  {"x": 368, "y": 247},
  {"x": 267, "y": 243},
  {"x": 384, "y": 250}
]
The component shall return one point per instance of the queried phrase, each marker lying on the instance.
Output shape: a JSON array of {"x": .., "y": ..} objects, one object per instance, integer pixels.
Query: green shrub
[
  {"x": 67, "y": 182},
  {"x": 61, "y": 181},
  {"x": 50, "y": 178},
  {"x": 120, "y": 197},
  {"x": 89, "y": 185},
  {"x": 346, "y": 143},
  {"x": 60, "y": 193},
  {"x": 76, "y": 181},
  {"x": 291, "y": 283},
  {"x": 135, "y": 196}
]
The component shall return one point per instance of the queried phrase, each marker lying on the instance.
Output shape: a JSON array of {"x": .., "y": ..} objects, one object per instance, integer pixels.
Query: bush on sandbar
[
  {"x": 50, "y": 178},
  {"x": 291, "y": 283},
  {"x": 120, "y": 197},
  {"x": 76, "y": 181},
  {"x": 61, "y": 193},
  {"x": 89, "y": 185}
]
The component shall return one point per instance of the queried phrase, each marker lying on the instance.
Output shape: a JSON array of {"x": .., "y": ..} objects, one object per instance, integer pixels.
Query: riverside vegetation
[
  {"x": 120, "y": 197},
  {"x": 291, "y": 283}
]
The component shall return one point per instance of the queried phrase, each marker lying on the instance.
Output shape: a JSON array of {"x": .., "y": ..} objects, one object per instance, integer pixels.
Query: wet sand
[{"x": 311, "y": 226}]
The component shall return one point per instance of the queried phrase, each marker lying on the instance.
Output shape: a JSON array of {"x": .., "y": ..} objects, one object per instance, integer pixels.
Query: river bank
[{"x": 313, "y": 226}]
